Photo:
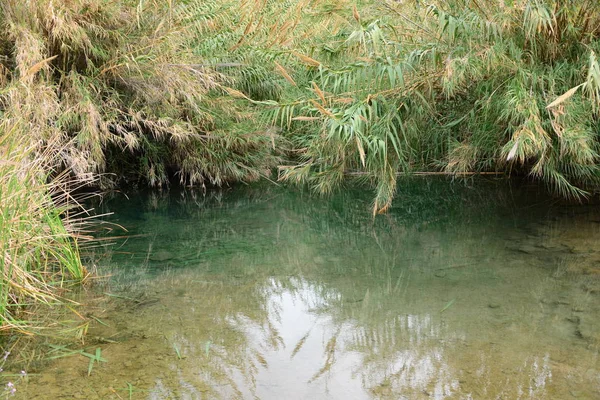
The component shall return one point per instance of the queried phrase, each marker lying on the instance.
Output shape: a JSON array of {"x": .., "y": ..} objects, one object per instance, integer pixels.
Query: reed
[
  {"x": 96, "y": 92},
  {"x": 386, "y": 87},
  {"x": 39, "y": 253},
  {"x": 119, "y": 87},
  {"x": 223, "y": 91}
]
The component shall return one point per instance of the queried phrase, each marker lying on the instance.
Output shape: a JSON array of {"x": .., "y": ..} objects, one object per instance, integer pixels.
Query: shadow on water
[{"x": 462, "y": 291}]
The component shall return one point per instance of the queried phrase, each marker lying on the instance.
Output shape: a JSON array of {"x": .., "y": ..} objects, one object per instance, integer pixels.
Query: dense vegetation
[
  {"x": 447, "y": 87},
  {"x": 153, "y": 92}
]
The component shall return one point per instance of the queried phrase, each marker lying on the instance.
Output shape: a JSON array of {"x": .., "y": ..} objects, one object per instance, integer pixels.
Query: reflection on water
[{"x": 459, "y": 293}]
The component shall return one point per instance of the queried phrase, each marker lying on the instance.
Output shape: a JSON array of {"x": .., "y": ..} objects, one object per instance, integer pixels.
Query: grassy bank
[
  {"x": 197, "y": 92},
  {"x": 38, "y": 247}
]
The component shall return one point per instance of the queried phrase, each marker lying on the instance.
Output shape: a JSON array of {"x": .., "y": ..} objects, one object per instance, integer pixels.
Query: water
[{"x": 477, "y": 291}]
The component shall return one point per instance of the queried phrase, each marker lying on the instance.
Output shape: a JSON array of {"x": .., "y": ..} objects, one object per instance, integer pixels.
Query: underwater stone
[
  {"x": 318, "y": 260},
  {"x": 161, "y": 255},
  {"x": 527, "y": 249},
  {"x": 589, "y": 328},
  {"x": 574, "y": 319}
]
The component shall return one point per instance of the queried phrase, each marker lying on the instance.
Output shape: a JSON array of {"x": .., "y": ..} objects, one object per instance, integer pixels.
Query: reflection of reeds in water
[
  {"x": 237, "y": 309},
  {"x": 404, "y": 355},
  {"x": 245, "y": 332},
  {"x": 300, "y": 343},
  {"x": 329, "y": 354}
]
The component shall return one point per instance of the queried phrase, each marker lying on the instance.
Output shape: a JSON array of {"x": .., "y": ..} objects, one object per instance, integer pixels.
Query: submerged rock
[
  {"x": 523, "y": 248},
  {"x": 319, "y": 260},
  {"x": 161, "y": 255},
  {"x": 574, "y": 319},
  {"x": 527, "y": 249},
  {"x": 589, "y": 328},
  {"x": 556, "y": 247}
]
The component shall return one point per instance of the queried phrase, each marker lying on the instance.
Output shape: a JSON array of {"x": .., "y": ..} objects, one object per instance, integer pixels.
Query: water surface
[{"x": 478, "y": 291}]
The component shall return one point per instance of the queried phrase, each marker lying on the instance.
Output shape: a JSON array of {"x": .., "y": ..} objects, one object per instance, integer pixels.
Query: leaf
[
  {"x": 513, "y": 151},
  {"x": 93, "y": 358},
  {"x": 90, "y": 366},
  {"x": 301, "y": 118},
  {"x": 447, "y": 306},
  {"x": 177, "y": 351},
  {"x": 452, "y": 124},
  {"x": 361, "y": 152},
  {"x": 285, "y": 74},
  {"x": 564, "y": 97},
  {"x": 306, "y": 59},
  {"x": 37, "y": 67}
]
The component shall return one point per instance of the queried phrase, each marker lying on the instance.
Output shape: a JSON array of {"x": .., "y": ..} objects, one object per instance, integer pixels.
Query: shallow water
[{"x": 461, "y": 292}]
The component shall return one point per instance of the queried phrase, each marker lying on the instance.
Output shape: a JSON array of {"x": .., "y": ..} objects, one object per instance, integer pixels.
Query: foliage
[
  {"x": 118, "y": 87},
  {"x": 205, "y": 90},
  {"x": 392, "y": 87},
  {"x": 39, "y": 253}
]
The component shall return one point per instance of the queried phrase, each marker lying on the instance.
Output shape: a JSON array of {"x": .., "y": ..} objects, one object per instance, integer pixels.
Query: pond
[{"x": 477, "y": 290}]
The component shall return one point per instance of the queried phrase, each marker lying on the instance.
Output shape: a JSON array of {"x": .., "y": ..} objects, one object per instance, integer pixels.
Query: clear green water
[{"x": 460, "y": 292}]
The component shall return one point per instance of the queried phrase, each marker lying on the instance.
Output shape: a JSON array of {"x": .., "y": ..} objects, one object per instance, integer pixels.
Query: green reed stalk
[{"x": 38, "y": 255}]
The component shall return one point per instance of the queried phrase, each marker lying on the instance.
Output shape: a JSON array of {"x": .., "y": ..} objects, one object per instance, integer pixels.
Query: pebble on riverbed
[
  {"x": 161, "y": 255},
  {"x": 589, "y": 328}
]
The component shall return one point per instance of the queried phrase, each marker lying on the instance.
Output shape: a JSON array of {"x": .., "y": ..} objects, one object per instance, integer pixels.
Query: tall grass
[
  {"x": 378, "y": 88},
  {"x": 39, "y": 256},
  {"x": 119, "y": 86},
  {"x": 218, "y": 91}
]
